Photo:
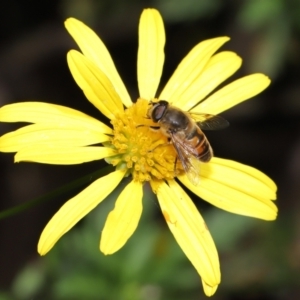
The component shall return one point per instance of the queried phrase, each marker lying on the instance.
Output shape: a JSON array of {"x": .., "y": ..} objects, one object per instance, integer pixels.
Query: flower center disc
[{"x": 145, "y": 152}]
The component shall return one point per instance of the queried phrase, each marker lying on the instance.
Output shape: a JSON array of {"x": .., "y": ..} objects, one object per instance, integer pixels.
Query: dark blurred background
[{"x": 259, "y": 260}]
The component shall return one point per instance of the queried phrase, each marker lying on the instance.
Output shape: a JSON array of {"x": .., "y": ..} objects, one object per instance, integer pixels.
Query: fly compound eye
[{"x": 159, "y": 110}]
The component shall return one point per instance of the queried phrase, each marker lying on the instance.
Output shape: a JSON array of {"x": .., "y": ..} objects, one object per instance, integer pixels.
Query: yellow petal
[
  {"x": 46, "y": 113},
  {"x": 64, "y": 155},
  {"x": 219, "y": 68},
  {"x": 209, "y": 290},
  {"x": 94, "y": 49},
  {"x": 189, "y": 230},
  {"x": 150, "y": 53},
  {"x": 76, "y": 208},
  {"x": 123, "y": 219},
  {"x": 236, "y": 188},
  {"x": 190, "y": 68},
  {"x": 95, "y": 84},
  {"x": 233, "y": 93},
  {"x": 51, "y": 135}
]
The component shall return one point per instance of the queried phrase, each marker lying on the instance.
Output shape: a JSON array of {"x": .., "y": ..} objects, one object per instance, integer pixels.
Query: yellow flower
[{"x": 61, "y": 135}]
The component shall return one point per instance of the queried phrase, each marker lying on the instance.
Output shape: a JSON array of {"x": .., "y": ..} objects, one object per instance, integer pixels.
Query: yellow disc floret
[{"x": 146, "y": 153}]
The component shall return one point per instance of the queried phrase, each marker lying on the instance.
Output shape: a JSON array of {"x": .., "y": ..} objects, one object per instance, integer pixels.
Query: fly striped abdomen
[{"x": 199, "y": 144}]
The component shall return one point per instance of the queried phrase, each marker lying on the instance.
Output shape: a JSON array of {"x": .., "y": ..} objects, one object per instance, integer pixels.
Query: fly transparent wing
[
  {"x": 190, "y": 163},
  {"x": 209, "y": 122}
]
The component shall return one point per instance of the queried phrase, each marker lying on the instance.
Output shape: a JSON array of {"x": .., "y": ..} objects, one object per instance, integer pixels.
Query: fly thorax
[{"x": 175, "y": 120}]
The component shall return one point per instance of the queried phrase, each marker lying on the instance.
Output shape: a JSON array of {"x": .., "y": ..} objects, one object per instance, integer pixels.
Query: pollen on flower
[{"x": 146, "y": 153}]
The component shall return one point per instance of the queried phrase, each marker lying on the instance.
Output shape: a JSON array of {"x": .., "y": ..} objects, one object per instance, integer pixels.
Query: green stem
[{"x": 64, "y": 189}]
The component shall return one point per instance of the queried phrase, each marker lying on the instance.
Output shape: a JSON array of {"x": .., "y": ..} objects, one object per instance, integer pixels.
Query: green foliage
[{"x": 188, "y": 10}]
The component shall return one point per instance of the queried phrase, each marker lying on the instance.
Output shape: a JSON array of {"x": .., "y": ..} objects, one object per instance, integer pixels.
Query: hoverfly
[{"x": 185, "y": 132}]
